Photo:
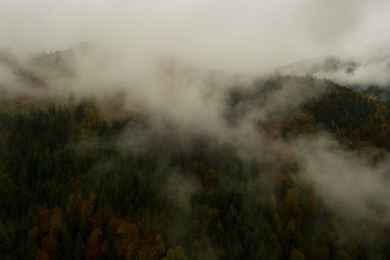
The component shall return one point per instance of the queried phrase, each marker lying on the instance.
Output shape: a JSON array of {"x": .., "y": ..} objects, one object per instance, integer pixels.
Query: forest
[{"x": 78, "y": 183}]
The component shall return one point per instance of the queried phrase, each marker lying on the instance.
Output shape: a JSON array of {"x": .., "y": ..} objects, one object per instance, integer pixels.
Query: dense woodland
[{"x": 69, "y": 191}]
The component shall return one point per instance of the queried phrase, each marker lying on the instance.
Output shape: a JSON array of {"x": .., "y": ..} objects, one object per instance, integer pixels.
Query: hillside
[{"x": 77, "y": 184}]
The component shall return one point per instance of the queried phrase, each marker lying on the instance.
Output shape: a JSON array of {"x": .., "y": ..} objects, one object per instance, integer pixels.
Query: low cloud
[{"x": 347, "y": 183}]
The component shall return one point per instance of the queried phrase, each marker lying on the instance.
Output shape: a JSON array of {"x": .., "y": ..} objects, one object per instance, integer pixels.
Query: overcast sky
[{"x": 243, "y": 35}]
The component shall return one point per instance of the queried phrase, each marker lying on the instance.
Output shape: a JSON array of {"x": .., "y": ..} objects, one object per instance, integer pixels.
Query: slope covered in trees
[{"x": 76, "y": 184}]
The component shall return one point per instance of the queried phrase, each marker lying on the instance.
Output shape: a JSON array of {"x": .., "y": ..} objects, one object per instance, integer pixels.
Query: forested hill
[{"x": 78, "y": 184}]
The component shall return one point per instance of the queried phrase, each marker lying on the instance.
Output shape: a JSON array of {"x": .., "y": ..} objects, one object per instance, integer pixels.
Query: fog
[
  {"x": 347, "y": 183},
  {"x": 178, "y": 62},
  {"x": 225, "y": 35}
]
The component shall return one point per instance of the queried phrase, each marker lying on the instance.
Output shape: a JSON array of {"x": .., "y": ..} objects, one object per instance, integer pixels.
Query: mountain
[
  {"x": 75, "y": 184},
  {"x": 191, "y": 165},
  {"x": 370, "y": 69}
]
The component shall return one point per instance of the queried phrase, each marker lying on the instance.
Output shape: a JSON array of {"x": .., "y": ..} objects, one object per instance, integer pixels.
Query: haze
[{"x": 244, "y": 36}]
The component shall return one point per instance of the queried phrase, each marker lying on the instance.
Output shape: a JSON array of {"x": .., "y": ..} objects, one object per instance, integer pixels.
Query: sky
[{"x": 238, "y": 36}]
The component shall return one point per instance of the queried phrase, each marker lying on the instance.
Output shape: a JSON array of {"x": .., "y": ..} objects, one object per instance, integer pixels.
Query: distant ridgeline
[{"x": 71, "y": 189}]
